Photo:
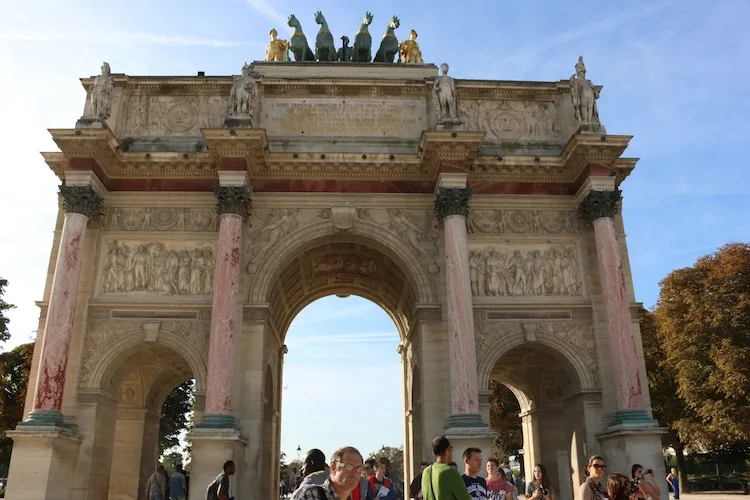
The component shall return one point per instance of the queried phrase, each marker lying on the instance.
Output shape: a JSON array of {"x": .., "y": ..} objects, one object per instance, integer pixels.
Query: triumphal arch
[{"x": 200, "y": 214}]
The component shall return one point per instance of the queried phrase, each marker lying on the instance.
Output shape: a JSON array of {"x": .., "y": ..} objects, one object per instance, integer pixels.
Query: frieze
[
  {"x": 531, "y": 121},
  {"x": 523, "y": 222},
  {"x": 153, "y": 268},
  {"x": 160, "y": 219},
  {"x": 154, "y": 115},
  {"x": 525, "y": 270}
]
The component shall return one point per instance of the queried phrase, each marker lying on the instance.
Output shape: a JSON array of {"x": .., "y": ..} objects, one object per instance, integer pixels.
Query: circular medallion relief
[
  {"x": 180, "y": 117},
  {"x": 507, "y": 125}
]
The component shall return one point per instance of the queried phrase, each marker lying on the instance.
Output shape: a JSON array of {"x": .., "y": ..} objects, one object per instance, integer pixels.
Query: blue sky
[{"x": 674, "y": 73}]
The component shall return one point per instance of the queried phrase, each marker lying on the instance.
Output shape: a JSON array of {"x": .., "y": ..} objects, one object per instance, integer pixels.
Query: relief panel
[
  {"x": 516, "y": 121},
  {"x": 146, "y": 115}
]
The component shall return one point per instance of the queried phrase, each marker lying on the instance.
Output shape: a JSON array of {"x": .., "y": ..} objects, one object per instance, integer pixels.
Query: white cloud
[
  {"x": 118, "y": 38},
  {"x": 267, "y": 10}
]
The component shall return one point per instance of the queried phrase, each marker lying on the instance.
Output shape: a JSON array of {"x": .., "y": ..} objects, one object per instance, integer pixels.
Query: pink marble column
[
  {"x": 233, "y": 205},
  {"x": 600, "y": 207},
  {"x": 80, "y": 202},
  {"x": 451, "y": 206}
]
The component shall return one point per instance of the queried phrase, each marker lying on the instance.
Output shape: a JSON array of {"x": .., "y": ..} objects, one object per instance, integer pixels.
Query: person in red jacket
[{"x": 379, "y": 486}]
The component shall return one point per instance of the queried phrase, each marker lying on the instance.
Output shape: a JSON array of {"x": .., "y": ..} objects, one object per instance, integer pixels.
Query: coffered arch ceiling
[{"x": 343, "y": 266}]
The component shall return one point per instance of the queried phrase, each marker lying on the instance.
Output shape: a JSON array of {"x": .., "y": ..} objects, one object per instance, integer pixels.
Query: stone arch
[{"x": 297, "y": 242}]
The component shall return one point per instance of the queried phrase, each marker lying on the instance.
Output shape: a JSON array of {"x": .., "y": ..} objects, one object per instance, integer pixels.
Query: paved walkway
[{"x": 712, "y": 495}]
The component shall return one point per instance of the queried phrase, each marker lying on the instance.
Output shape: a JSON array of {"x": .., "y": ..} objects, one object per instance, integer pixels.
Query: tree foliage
[
  {"x": 505, "y": 422},
  {"x": 703, "y": 326},
  {"x": 395, "y": 456},
  {"x": 4, "y": 306},
  {"x": 15, "y": 366},
  {"x": 176, "y": 415}
]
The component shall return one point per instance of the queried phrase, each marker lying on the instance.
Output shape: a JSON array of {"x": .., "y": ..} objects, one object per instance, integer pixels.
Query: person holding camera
[
  {"x": 540, "y": 488},
  {"x": 592, "y": 488},
  {"x": 621, "y": 487},
  {"x": 651, "y": 489}
]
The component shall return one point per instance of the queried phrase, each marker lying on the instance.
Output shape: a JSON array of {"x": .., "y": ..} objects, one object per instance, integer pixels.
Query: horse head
[
  {"x": 319, "y": 18},
  {"x": 293, "y": 23},
  {"x": 395, "y": 23},
  {"x": 367, "y": 19}
]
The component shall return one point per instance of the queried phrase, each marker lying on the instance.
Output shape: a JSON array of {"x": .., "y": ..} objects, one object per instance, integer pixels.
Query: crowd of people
[{"x": 348, "y": 476}]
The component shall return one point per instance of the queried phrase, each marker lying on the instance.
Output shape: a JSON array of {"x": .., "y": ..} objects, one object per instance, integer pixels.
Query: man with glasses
[
  {"x": 345, "y": 472},
  {"x": 440, "y": 481}
]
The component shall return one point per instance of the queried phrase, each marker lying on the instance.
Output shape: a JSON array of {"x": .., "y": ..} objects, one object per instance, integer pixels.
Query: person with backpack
[
  {"x": 345, "y": 473},
  {"x": 219, "y": 487}
]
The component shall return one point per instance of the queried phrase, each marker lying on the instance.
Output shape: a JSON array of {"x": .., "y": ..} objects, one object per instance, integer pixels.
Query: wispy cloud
[
  {"x": 390, "y": 337},
  {"x": 120, "y": 39},
  {"x": 266, "y": 9}
]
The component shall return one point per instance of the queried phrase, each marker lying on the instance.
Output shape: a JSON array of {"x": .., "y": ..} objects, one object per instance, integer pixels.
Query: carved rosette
[
  {"x": 598, "y": 204},
  {"x": 233, "y": 200},
  {"x": 81, "y": 200},
  {"x": 452, "y": 201}
]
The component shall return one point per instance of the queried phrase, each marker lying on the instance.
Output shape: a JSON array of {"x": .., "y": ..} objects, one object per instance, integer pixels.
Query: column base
[
  {"x": 216, "y": 421},
  {"x": 211, "y": 448},
  {"x": 44, "y": 418},
  {"x": 464, "y": 420},
  {"x": 43, "y": 463}
]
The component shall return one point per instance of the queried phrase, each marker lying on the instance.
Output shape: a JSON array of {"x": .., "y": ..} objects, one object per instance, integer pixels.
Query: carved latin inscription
[{"x": 344, "y": 117}]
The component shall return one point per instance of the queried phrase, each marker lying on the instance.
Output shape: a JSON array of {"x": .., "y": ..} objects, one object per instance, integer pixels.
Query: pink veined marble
[
  {"x": 224, "y": 316},
  {"x": 58, "y": 327},
  {"x": 464, "y": 393},
  {"x": 621, "y": 340}
]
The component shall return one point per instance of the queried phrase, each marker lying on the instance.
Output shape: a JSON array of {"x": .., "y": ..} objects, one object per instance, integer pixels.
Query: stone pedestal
[
  {"x": 91, "y": 122},
  {"x": 239, "y": 122},
  {"x": 44, "y": 463},
  {"x": 211, "y": 448}
]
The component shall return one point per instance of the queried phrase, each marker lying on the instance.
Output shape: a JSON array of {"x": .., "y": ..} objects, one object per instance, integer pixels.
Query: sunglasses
[{"x": 599, "y": 466}]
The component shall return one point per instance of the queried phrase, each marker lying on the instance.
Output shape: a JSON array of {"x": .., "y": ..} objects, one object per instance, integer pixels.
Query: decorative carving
[
  {"x": 523, "y": 222},
  {"x": 243, "y": 101},
  {"x": 410, "y": 52},
  {"x": 584, "y": 96},
  {"x": 158, "y": 268},
  {"x": 343, "y": 263},
  {"x": 157, "y": 115},
  {"x": 598, "y": 204},
  {"x": 581, "y": 337},
  {"x": 543, "y": 271},
  {"x": 233, "y": 200},
  {"x": 416, "y": 227},
  {"x": 180, "y": 117},
  {"x": 81, "y": 200},
  {"x": 487, "y": 333},
  {"x": 160, "y": 219},
  {"x": 343, "y": 218},
  {"x": 446, "y": 100},
  {"x": 511, "y": 120},
  {"x": 277, "y": 50},
  {"x": 100, "y": 98},
  {"x": 452, "y": 201}
]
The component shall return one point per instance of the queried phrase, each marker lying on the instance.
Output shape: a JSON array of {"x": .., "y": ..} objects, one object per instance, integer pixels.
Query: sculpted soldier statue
[
  {"x": 100, "y": 99},
  {"x": 584, "y": 96},
  {"x": 410, "y": 52},
  {"x": 444, "y": 93},
  {"x": 345, "y": 52},
  {"x": 242, "y": 99},
  {"x": 277, "y": 50}
]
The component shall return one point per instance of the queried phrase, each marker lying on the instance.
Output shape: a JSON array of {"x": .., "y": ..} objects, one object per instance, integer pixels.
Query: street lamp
[{"x": 299, "y": 450}]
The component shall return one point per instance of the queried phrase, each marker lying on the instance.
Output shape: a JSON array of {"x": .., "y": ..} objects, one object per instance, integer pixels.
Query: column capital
[
  {"x": 233, "y": 200},
  {"x": 81, "y": 200},
  {"x": 598, "y": 204},
  {"x": 452, "y": 201}
]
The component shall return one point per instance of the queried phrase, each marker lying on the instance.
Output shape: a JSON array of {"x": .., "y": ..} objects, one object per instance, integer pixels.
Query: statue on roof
[
  {"x": 584, "y": 96},
  {"x": 345, "y": 52},
  {"x": 445, "y": 98},
  {"x": 243, "y": 100},
  {"x": 277, "y": 50},
  {"x": 410, "y": 52},
  {"x": 100, "y": 98}
]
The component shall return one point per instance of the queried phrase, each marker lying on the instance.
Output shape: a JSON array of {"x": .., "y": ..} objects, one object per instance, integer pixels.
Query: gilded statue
[
  {"x": 584, "y": 96},
  {"x": 410, "y": 52},
  {"x": 243, "y": 98},
  {"x": 100, "y": 99},
  {"x": 446, "y": 99},
  {"x": 277, "y": 50}
]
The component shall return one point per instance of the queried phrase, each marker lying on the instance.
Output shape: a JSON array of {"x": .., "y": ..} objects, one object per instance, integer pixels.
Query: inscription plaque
[{"x": 318, "y": 117}]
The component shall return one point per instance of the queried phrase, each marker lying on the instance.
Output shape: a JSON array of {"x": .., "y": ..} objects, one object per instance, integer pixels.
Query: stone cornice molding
[
  {"x": 233, "y": 200},
  {"x": 598, "y": 204},
  {"x": 452, "y": 201},
  {"x": 81, "y": 200}
]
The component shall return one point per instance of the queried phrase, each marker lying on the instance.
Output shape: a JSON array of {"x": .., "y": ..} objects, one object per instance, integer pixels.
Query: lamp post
[{"x": 299, "y": 450}]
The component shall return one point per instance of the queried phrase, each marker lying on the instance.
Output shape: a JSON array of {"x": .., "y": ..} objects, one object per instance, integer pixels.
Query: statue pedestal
[
  {"x": 239, "y": 122},
  {"x": 44, "y": 462},
  {"x": 91, "y": 122},
  {"x": 592, "y": 128},
  {"x": 449, "y": 125},
  {"x": 211, "y": 448}
]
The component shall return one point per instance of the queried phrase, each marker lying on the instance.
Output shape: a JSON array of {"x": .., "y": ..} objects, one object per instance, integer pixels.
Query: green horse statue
[
  {"x": 298, "y": 43},
  {"x": 324, "y": 49},
  {"x": 389, "y": 44},
  {"x": 362, "y": 50}
]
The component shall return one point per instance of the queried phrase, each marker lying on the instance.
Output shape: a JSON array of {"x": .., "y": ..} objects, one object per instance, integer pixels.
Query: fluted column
[
  {"x": 599, "y": 208},
  {"x": 233, "y": 205},
  {"x": 452, "y": 206},
  {"x": 79, "y": 203}
]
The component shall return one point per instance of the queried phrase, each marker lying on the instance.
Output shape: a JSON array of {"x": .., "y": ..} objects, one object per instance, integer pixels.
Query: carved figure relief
[
  {"x": 416, "y": 227},
  {"x": 344, "y": 263},
  {"x": 523, "y": 222},
  {"x": 511, "y": 120},
  {"x": 160, "y": 219},
  {"x": 167, "y": 115},
  {"x": 581, "y": 337},
  {"x": 158, "y": 268},
  {"x": 511, "y": 272}
]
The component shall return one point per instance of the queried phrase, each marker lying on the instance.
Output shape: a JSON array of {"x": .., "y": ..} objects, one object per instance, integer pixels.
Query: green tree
[
  {"x": 4, "y": 307},
  {"x": 505, "y": 422},
  {"x": 395, "y": 456},
  {"x": 176, "y": 415},
  {"x": 703, "y": 320},
  {"x": 15, "y": 366}
]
